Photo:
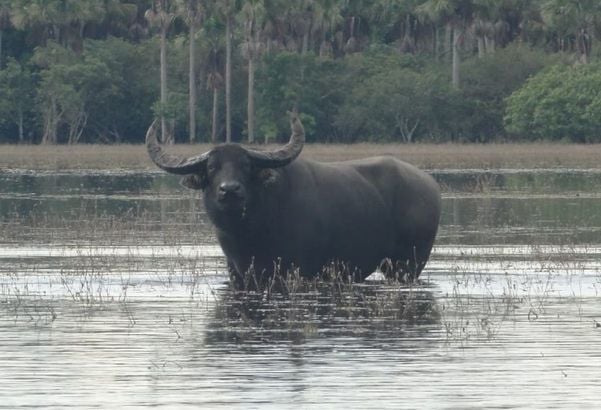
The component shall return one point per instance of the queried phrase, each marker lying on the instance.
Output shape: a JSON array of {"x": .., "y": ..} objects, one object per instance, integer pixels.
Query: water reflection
[
  {"x": 545, "y": 207},
  {"x": 322, "y": 310}
]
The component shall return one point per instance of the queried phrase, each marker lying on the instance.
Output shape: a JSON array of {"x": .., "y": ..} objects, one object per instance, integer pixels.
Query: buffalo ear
[{"x": 194, "y": 181}]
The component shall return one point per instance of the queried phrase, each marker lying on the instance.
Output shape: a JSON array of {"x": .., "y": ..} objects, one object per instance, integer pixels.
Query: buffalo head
[{"x": 228, "y": 173}]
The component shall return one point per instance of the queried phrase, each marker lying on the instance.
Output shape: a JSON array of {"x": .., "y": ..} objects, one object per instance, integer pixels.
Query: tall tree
[
  {"x": 52, "y": 61},
  {"x": 215, "y": 84},
  {"x": 228, "y": 75},
  {"x": 62, "y": 20},
  {"x": 161, "y": 15},
  {"x": 578, "y": 19},
  {"x": 16, "y": 88},
  {"x": 253, "y": 13},
  {"x": 4, "y": 24},
  {"x": 401, "y": 13},
  {"x": 227, "y": 9},
  {"x": 193, "y": 14},
  {"x": 121, "y": 20},
  {"x": 457, "y": 15},
  {"x": 490, "y": 25},
  {"x": 300, "y": 14},
  {"x": 327, "y": 16},
  {"x": 213, "y": 34}
]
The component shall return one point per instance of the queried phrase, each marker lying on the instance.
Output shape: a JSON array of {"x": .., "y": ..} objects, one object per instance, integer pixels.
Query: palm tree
[
  {"x": 327, "y": 16},
  {"x": 577, "y": 18},
  {"x": 121, "y": 19},
  {"x": 253, "y": 13},
  {"x": 78, "y": 14},
  {"x": 213, "y": 35},
  {"x": 62, "y": 20},
  {"x": 161, "y": 16},
  {"x": 4, "y": 24},
  {"x": 214, "y": 83},
  {"x": 489, "y": 24},
  {"x": 300, "y": 15},
  {"x": 226, "y": 9},
  {"x": 457, "y": 15},
  {"x": 193, "y": 14},
  {"x": 228, "y": 76},
  {"x": 401, "y": 12}
]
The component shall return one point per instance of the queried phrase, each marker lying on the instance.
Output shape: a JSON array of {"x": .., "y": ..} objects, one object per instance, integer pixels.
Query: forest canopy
[{"x": 100, "y": 71}]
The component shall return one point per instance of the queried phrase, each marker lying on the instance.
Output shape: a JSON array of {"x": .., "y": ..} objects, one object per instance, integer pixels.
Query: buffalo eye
[
  {"x": 211, "y": 168},
  {"x": 194, "y": 181},
  {"x": 267, "y": 176}
]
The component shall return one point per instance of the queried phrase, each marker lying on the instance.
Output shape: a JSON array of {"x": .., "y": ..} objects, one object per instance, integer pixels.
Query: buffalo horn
[
  {"x": 171, "y": 163},
  {"x": 286, "y": 154}
]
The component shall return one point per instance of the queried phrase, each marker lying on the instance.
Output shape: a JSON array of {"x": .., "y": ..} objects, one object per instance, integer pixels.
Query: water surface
[{"x": 113, "y": 294}]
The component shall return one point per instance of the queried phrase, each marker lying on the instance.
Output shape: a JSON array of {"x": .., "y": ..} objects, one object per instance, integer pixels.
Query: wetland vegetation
[{"x": 133, "y": 157}]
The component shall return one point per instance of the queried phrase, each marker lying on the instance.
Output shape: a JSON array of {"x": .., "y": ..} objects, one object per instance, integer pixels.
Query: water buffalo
[{"x": 273, "y": 211}]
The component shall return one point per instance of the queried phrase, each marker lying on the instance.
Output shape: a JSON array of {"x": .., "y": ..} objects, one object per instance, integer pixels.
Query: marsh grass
[
  {"x": 293, "y": 308},
  {"x": 495, "y": 293},
  {"x": 429, "y": 156},
  {"x": 290, "y": 307}
]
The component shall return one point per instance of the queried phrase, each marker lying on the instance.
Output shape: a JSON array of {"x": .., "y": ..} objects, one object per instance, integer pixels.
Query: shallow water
[{"x": 113, "y": 294}]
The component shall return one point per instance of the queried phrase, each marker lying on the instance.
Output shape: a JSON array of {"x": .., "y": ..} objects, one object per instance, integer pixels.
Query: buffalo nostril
[{"x": 230, "y": 188}]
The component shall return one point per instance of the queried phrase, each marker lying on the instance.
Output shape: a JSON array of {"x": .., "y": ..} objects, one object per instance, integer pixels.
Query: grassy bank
[{"x": 455, "y": 156}]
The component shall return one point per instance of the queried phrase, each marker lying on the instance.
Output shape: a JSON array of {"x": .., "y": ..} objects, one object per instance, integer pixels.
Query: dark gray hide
[{"x": 272, "y": 211}]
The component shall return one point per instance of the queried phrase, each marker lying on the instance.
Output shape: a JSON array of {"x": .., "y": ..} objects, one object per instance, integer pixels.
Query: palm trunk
[
  {"x": 251, "y": 99},
  {"x": 20, "y": 125},
  {"x": 490, "y": 44},
  {"x": 584, "y": 46},
  {"x": 407, "y": 45},
  {"x": 435, "y": 49},
  {"x": 228, "y": 80},
  {"x": 50, "y": 124},
  {"x": 57, "y": 34},
  {"x": 456, "y": 57},
  {"x": 192, "y": 81},
  {"x": 164, "y": 85},
  {"x": 448, "y": 42},
  {"x": 305, "y": 47},
  {"x": 481, "y": 47},
  {"x": 215, "y": 115},
  {"x": 1, "y": 32}
]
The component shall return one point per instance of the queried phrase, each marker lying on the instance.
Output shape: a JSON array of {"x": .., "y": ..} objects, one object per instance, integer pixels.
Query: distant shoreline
[{"x": 427, "y": 156}]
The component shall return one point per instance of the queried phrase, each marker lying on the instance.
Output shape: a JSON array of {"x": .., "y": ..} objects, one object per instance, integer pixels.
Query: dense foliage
[
  {"x": 386, "y": 70},
  {"x": 561, "y": 103}
]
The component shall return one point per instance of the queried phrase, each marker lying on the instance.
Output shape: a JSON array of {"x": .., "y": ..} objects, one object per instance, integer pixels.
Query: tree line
[{"x": 100, "y": 71}]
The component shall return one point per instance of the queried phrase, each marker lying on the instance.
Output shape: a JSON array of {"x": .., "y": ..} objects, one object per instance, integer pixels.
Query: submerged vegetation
[{"x": 472, "y": 300}]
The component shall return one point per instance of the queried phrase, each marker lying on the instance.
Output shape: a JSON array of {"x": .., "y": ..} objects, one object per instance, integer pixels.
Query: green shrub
[
  {"x": 561, "y": 103},
  {"x": 392, "y": 97},
  {"x": 307, "y": 81},
  {"x": 490, "y": 80}
]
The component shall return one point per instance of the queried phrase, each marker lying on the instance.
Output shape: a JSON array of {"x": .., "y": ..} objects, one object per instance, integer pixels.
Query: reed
[{"x": 429, "y": 156}]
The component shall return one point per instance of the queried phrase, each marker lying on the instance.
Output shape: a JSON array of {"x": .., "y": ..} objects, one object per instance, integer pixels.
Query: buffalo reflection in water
[{"x": 299, "y": 310}]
